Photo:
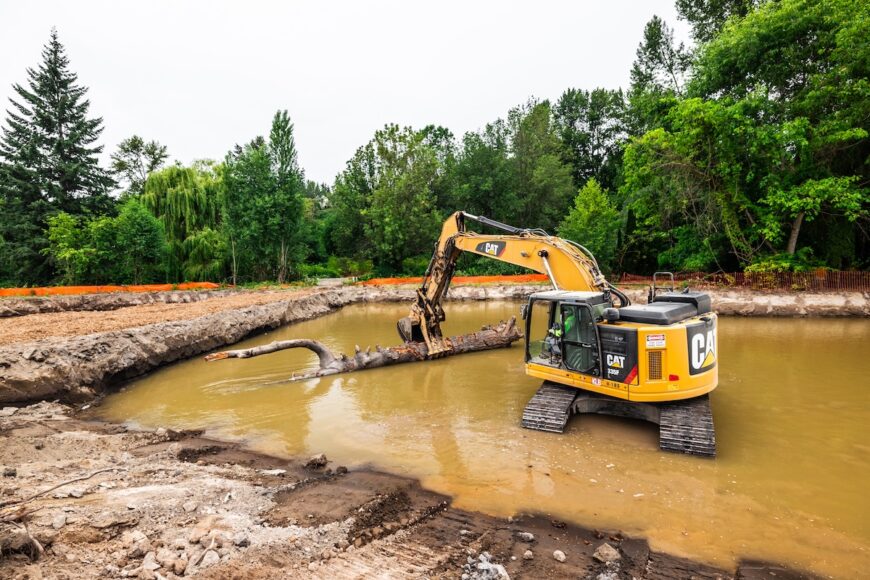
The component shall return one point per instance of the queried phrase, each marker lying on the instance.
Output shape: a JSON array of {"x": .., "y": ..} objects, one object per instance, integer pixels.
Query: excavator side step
[
  {"x": 550, "y": 408},
  {"x": 684, "y": 426}
]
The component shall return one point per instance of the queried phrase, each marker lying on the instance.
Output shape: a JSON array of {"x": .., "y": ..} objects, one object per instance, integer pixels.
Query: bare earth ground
[
  {"x": 166, "y": 504},
  {"x": 77, "y": 323}
]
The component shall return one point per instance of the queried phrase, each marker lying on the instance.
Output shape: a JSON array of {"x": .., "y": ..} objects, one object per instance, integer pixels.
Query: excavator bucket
[{"x": 406, "y": 329}]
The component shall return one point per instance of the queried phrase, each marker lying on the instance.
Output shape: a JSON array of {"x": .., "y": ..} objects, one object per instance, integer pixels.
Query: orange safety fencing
[
  {"x": 514, "y": 279},
  {"x": 67, "y": 290},
  {"x": 815, "y": 281}
]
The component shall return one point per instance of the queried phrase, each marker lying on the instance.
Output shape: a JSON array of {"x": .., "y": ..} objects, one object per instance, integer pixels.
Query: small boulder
[
  {"x": 317, "y": 461},
  {"x": 559, "y": 556},
  {"x": 58, "y": 521},
  {"x": 241, "y": 539},
  {"x": 273, "y": 472},
  {"x": 179, "y": 565},
  {"x": 8, "y": 411},
  {"x": 528, "y": 555},
  {"x": 210, "y": 559},
  {"x": 189, "y": 506},
  {"x": 526, "y": 537},
  {"x": 9, "y": 472},
  {"x": 150, "y": 562},
  {"x": 606, "y": 553}
]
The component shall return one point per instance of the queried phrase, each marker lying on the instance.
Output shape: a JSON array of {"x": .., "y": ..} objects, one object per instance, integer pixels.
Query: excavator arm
[{"x": 568, "y": 265}]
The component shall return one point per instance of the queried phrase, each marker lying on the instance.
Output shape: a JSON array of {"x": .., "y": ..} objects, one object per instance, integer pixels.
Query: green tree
[
  {"x": 542, "y": 180},
  {"x": 135, "y": 160},
  {"x": 263, "y": 207},
  {"x": 591, "y": 126},
  {"x": 483, "y": 175},
  {"x": 141, "y": 239},
  {"x": 48, "y": 162},
  {"x": 68, "y": 247},
  {"x": 186, "y": 200},
  {"x": 594, "y": 223},
  {"x": 708, "y": 17}
]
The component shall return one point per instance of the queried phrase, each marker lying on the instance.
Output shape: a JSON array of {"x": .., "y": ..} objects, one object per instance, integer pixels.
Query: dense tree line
[{"x": 747, "y": 150}]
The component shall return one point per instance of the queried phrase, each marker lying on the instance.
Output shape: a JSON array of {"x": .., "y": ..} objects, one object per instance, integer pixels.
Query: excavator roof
[{"x": 570, "y": 296}]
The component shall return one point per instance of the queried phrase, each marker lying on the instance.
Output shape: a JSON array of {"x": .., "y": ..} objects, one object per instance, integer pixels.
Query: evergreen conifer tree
[{"x": 48, "y": 163}]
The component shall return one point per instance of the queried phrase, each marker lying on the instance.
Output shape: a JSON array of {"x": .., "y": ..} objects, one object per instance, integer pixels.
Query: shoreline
[
  {"x": 165, "y": 504},
  {"x": 84, "y": 353}
]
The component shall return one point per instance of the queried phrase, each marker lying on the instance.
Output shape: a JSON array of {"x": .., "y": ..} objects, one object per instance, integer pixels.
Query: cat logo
[
  {"x": 702, "y": 348},
  {"x": 616, "y": 361},
  {"x": 491, "y": 248}
]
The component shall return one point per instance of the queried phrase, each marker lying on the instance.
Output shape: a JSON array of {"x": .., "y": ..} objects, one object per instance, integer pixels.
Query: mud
[{"x": 167, "y": 504}]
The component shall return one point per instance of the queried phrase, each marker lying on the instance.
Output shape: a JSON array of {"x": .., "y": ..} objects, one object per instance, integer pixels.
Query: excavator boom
[{"x": 568, "y": 266}]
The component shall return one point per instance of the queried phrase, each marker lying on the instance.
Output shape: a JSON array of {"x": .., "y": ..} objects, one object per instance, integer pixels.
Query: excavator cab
[{"x": 567, "y": 321}]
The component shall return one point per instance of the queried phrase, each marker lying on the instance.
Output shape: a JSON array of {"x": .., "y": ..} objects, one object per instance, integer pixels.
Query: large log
[{"x": 489, "y": 337}]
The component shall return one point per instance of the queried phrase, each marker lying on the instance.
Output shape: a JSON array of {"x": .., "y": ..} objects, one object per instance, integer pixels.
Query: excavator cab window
[
  {"x": 540, "y": 317},
  {"x": 580, "y": 338}
]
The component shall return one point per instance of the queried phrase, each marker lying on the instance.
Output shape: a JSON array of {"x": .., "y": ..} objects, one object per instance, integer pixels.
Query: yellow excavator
[{"x": 595, "y": 350}]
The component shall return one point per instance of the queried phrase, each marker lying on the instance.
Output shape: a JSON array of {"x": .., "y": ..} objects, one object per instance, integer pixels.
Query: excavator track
[
  {"x": 684, "y": 426},
  {"x": 550, "y": 408},
  {"x": 687, "y": 427}
]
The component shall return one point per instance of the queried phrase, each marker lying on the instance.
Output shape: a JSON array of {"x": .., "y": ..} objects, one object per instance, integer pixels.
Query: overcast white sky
[{"x": 200, "y": 76}]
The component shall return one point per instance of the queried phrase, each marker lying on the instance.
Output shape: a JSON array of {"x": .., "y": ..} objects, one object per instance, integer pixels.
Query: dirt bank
[
  {"x": 165, "y": 504},
  {"x": 100, "y": 302}
]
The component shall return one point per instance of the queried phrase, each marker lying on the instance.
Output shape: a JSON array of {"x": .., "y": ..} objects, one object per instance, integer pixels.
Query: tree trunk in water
[
  {"x": 795, "y": 230},
  {"x": 489, "y": 337}
]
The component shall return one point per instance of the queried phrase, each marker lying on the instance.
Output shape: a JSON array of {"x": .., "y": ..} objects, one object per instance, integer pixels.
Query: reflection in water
[{"x": 791, "y": 414}]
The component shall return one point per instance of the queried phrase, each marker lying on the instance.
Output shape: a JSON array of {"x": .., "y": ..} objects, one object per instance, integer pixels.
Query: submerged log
[{"x": 489, "y": 337}]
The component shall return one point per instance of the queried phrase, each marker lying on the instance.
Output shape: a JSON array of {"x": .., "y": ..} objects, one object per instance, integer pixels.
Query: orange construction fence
[
  {"x": 66, "y": 290},
  {"x": 515, "y": 279}
]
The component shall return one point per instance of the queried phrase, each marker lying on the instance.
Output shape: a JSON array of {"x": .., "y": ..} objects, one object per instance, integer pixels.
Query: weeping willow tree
[{"x": 187, "y": 202}]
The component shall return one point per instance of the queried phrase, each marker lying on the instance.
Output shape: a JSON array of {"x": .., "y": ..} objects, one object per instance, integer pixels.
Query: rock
[
  {"x": 179, "y": 566},
  {"x": 58, "y": 521},
  {"x": 8, "y": 411},
  {"x": 110, "y": 520},
  {"x": 312, "y": 566},
  {"x": 75, "y": 492},
  {"x": 559, "y": 556},
  {"x": 317, "y": 461},
  {"x": 150, "y": 562},
  {"x": 241, "y": 539},
  {"x": 189, "y": 506},
  {"x": 179, "y": 544},
  {"x": 606, "y": 553},
  {"x": 527, "y": 555},
  {"x": 161, "y": 431},
  {"x": 526, "y": 537},
  {"x": 274, "y": 472},
  {"x": 341, "y": 470},
  {"x": 197, "y": 533},
  {"x": 210, "y": 559},
  {"x": 343, "y": 544},
  {"x": 9, "y": 472},
  {"x": 129, "y": 539},
  {"x": 145, "y": 574},
  {"x": 166, "y": 558}
]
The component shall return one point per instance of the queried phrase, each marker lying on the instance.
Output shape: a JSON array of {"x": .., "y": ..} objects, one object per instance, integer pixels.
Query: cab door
[{"x": 580, "y": 345}]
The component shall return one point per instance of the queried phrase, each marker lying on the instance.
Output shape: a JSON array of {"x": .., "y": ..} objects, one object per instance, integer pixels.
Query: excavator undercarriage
[{"x": 684, "y": 426}]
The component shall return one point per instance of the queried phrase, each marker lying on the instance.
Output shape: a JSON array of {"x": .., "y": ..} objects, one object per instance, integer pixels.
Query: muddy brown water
[{"x": 790, "y": 483}]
